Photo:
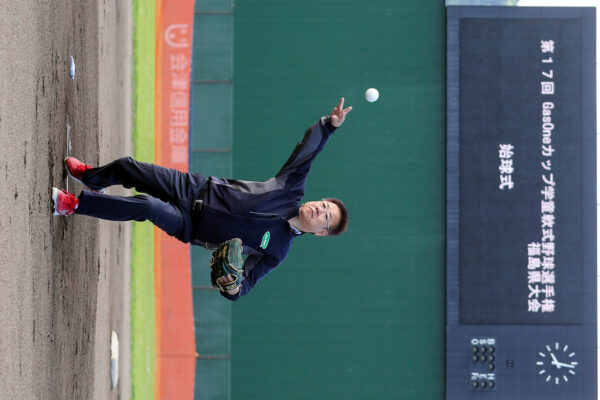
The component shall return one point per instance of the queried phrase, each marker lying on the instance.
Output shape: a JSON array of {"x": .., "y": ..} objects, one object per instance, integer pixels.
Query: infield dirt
[{"x": 64, "y": 282}]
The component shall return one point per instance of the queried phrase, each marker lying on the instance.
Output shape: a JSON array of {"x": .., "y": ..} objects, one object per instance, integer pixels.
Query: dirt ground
[{"x": 64, "y": 282}]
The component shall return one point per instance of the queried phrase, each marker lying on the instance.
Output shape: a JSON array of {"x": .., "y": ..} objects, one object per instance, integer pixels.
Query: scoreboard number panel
[{"x": 521, "y": 203}]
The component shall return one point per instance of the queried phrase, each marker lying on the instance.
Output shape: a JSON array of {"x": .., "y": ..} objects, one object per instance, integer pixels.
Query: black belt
[{"x": 198, "y": 204}]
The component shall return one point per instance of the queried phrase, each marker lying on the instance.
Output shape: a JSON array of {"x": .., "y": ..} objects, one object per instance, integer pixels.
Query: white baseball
[{"x": 371, "y": 95}]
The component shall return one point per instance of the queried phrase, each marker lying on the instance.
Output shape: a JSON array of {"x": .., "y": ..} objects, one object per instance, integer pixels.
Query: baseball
[{"x": 371, "y": 95}]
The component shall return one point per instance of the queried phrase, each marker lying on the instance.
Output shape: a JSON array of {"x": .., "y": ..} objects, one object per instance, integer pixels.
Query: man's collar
[{"x": 295, "y": 212}]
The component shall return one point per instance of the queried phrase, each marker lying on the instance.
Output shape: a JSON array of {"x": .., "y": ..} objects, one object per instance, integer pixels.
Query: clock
[{"x": 557, "y": 363}]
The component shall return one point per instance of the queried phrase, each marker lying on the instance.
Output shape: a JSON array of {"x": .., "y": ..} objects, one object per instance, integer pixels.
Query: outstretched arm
[{"x": 294, "y": 171}]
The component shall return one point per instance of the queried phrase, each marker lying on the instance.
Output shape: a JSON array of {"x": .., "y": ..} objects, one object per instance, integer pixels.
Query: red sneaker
[
  {"x": 64, "y": 202},
  {"x": 75, "y": 169}
]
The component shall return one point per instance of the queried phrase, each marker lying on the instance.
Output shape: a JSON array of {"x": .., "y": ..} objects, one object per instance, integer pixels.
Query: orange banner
[{"x": 176, "y": 351}]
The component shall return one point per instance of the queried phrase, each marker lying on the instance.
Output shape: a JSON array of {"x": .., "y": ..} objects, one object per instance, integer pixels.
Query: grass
[{"x": 142, "y": 261}]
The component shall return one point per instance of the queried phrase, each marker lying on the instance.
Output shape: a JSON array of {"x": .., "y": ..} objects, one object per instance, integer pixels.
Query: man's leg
[
  {"x": 137, "y": 208},
  {"x": 166, "y": 184}
]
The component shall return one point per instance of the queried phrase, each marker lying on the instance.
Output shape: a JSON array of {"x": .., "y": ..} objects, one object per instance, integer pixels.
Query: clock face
[{"x": 556, "y": 363}]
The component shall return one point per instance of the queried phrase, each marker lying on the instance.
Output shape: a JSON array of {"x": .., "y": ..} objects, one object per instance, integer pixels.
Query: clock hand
[
  {"x": 566, "y": 365},
  {"x": 554, "y": 360}
]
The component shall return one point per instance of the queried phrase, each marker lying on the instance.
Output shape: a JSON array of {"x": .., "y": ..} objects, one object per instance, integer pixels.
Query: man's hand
[
  {"x": 228, "y": 279},
  {"x": 339, "y": 114}
]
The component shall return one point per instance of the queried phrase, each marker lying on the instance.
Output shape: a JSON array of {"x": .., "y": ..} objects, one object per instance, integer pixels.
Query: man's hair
[{"x": 343, "y": 224}]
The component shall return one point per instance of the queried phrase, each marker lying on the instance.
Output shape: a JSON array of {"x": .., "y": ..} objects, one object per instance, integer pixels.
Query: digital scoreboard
[{"x": 521, "y": 204}]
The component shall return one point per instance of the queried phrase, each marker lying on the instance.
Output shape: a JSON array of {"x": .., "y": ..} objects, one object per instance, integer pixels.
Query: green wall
[
  {"x": 211, "y": 138},
  {"x": 360, "y": 316}
]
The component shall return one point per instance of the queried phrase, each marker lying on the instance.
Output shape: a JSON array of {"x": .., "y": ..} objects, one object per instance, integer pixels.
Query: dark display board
[
  {"x": 521, "y": 203},
  {"x": 520, "y": 171}
]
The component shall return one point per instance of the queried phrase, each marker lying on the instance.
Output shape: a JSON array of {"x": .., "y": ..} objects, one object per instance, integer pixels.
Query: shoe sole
[
  {"x": 55, "y": 193},
  {"x": 78, "y": 180}
]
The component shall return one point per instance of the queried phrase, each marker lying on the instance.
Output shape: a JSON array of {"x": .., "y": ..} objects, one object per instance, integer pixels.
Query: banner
[{"x": 175, "y": 361}]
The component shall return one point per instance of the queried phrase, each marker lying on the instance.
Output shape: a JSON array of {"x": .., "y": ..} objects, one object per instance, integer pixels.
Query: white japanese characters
[
  {"x": 506, "y": 167},
  {"x": 541, "y": 276},
  {"x": 547, "y": 47},
  {"x": 179, "y": 71}
]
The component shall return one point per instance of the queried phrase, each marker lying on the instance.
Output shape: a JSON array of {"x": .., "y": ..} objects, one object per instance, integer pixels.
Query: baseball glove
[{"x": 227, "y": 259}]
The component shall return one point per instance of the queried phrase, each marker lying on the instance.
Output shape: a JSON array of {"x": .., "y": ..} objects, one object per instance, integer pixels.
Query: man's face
[{"x": 319, "y": 217}]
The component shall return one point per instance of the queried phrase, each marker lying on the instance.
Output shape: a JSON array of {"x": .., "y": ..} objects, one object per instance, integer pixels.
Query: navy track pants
[{"x": 169, "y": 205}]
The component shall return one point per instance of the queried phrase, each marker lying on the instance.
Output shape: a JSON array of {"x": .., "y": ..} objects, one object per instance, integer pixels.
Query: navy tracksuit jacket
[{"x": 256, "y": 212}]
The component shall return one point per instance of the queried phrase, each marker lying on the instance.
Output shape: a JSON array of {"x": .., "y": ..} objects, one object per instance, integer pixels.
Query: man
[{"x": 266, "y": 215}]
